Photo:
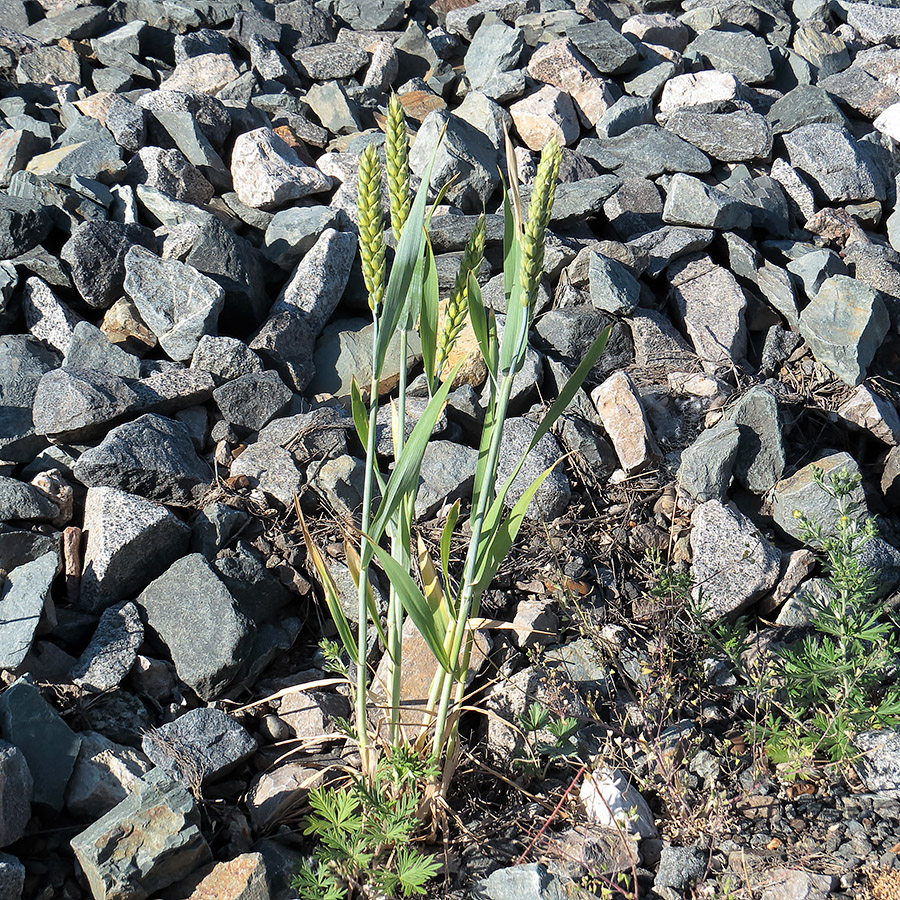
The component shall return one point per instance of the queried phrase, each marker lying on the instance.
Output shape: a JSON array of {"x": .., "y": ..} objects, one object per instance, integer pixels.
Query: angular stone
[
  {"x": 24, "y": 501},
  {"x": 646, "y": 151},
  {"x": 732, "y": 564},
  {"x": 662, "y": 246},
  {"x": 144, "y": 844},
  {"x": 169, "y": 171},
  {"x": 15, "y": 802},
  {"x": 23, "y": 596},
  {"x": 785, "y": 884},
  {"x": 858, "y": 90},
  {"x": 16, "y": 148},
  {"x": 447, "y": 474},
  {"x": 47, "y": 317},
  {"x": 272, "y": 469},
  {"x": 293, "y": 232},
  {"x": 624, "y": 419},
  {"x": 712, "y": 305},
  {"x": 12, "y": 876},
  {"x": 98, "y": 158},
  {"x": 635, "y": 208},
  {"x": 730, "y": 137},
  {"x": 697, "y": 89},
  {"x": 211, "y": 115},
  {"x": 205, "y": 74},
  {"x": 760, "y": 459},
  {"x": 52, "y": 65},
  {"x": 867, "y": 411},
  {"x": 276, "y": 793},
  {"x": 495, "y": 48},
  {"x": 268, "y": 173},
  {"x": 804, "y": 105},
  {"x": 737, "y": 52},
  {"x": 334, "y": 108},
  {"x": 832, "y": 158},
  {"x": 878, "y": 763},
  {"x": 612, "y": 287},
  {"x": 546, "y": 113},
  {"x": 609, "y": 52},
  {"x": 822, "y": 49},
  {"x": 252, "y": 400},
  {"x": 844, "y": 326},
  {"x": 91, "y": 349},
  {"x": 112, "y": 650},
  {"x": 691, "y": 202},
  {"x": 325, "y": 62},
  {"x": 23, "y": 362},
  {"x": 153, "y": 457},
  {"x": 873, "y": 23},
  {"x": 611, "y": 800},
  {"x": 243, "y": 878},
  {"x": 707, "y": 466},
  {"x": 225, "y": 357},
  {"x": 104, "y": 774},
  {"x": 208, "y": 637},
  {"x": 174, "y": 299},
  {"x": 198, "y": 747},
  {"x": 815, "y": 268},
  {"x": 46, "y": 741}
]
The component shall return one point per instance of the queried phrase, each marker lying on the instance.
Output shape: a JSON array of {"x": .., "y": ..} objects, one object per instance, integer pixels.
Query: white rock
[
  {"x": 206, "y": 74},
  {"x": 701, "y": 87},
  {"x": 610, "y": 800},
  {"x": 268, "y": 173},
  {"x": 889, "y": 122}
]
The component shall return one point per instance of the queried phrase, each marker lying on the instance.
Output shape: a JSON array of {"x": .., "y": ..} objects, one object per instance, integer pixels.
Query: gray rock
[
  {"x": 293, "y": 232},
  {"x": 646, "y": 151},
  {"x": 90, "y": 348},
  {"x": 47, "y": 743},
  {"x": 272, "y": 469},
  {"x": 153, "y": 457},
  {"x": 859, "y": 91},
  {"x": 12, "y": 877},
  {"x": 169, "y": 171},
  {"x": 760, "y": 459},
  {"x": 199, "y": 746},
  {"x": 529, "y": 881},
  {"x": 210, "y": 114},
  {"x": 225, "y": 357},
  {"x": 712, "y": 304},
  {"x": 447, "y": 474},
  {"x": 23, "y": 596},
  {"x": 662, "y": 246},
  {"x": 815, "y": 268},
  {"x": 340, "y": 483},
  {"x": 62, "y": 66},
  {"x": 680, "y": 867},
  {"x": 610, "y": 52},
  {"x": 582, "y": 665},
  {"x": 834, "y": 160},
  {"x": 495, "y": 48},
  {"x": 570, "y": 331},
  {"x": 732, "y": 564},
  {"x": 216, "y": 524},
  {"x": 98, "y": 158},
  {"x": 878, "y": 764},
  {"x": 552, "y": 497},
  {"x": 334, "y": 108},
  {"x": 866, "y": 411},
  {"x": 178, "y": 303},
  {"x": 23, "y": 361},
  {"x": 627, "y": 112},
  {"x": 874, "y": 24},
  {"x": 463, "y": 153},
  {"x": 104, "y": 774},
  {"x": 47, "y": 317},
  {"x": 377, "y": 15},
  {"x": 133, "y": 851},
  {"x": 612, "y": 287},
  {"x": 707, "y": 466},
  {"x": 15, "y": 804},
  {"x": 777, "y": 287},
  {"x": 804, "y": 105},
  {"x": 112, "y": 650},
  {"x": 20, "y": 547},
  {"x": 207, "y": 637},
  {"x": 574, "y": 201},
  {"x": 730, "y": 137},
  {"x": 823, "y": 50},
  {"x": 635, "y": 208},
  {"x": 257, "y": 590},
  {"x": 737, "y": 51},
  {"x": 24, "y": 501},
  {"x": 691, "y": 202},
  {"x": 23, "y": 225},
  {"x": 127, "y": 123},
  {"x": 287, "y": 339},
  {"x": 253, "y": 400},
  {"x": 326, "y": 62},
  {"x": 844, "y": 325}
]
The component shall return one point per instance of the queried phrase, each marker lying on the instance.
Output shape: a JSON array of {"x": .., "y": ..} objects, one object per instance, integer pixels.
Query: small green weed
[
  {"x": 539, "y": 754},
  {"x": 364, "y": 832}
]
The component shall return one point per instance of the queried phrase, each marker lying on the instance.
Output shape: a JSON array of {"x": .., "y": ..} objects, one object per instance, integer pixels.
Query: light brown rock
[
  {"x": 622, "y": 414},
  {"x": 540, "y": 116}
]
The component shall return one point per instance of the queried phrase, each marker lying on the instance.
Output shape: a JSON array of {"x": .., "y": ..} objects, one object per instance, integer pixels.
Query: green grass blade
[
  {"x": 352, "y": 558},
  {"x": 414, "y": 603},
  {"x": 447, "y": 536},
  {"x": 428, "y": 317},
  {"x": 358, "y": 410},
  {"x": 515, "y": 334},
  {"x": 405, "y": 477}
]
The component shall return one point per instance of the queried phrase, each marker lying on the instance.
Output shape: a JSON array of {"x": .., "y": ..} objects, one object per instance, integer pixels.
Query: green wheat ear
[
  {"x": 457, "y": 305},
  {"x": 397, "y": 158},
  {"x": 371, "y": 230},
  {"x": 542, "y": 195}
]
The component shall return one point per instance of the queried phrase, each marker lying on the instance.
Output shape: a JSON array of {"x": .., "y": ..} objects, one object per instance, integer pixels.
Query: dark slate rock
[
  {"x": 173, "y": 844},
  {"x": 378, "y": 15},
  {"x": 760, "y": 458},
  {"x": 735, "y": 50},
  {"x": 179, "y": 303},
  {"x": 680, "y": 867},
  {"x": 765, "y": 200},
  {"x": 447, "y": 474},
  {"x": 451, "y": 233},
  {"x": 833, "y": 159},
  {"x": 23, "y": 361},
  {"x": 689, "y": 201},
  {"x": 211, "y": 115},
  {"x": 208, "y": 637},
  {"x": 96, "y": 252},
  {"x": 216, "y": 524},
  {"x": 18, "y": 547},
  {"x": 112, "y": 650},
  {"x": 815, "y": 268},
  {"x": 130, "y": 541},
  {"x": 579, "y": 199},
  {"x": 635, "y": 208},
  {"x": 199, "y": 746},
  {"x": 127, "y": 123},
  {"x": 90, "y": 348},
  {"x": 12, "y": 876},
  {"x": 804, "y": 105},
  {"x": 225, "y": 357},
  {"x": 730, "y": 137},
  {"x": 859, "y": 91},
  {"x": 259, "y": 594},
  {"x": 23, "y": 225},
  {"x": 646, "y": 151},
  {"x": 169, "y": 171},
  {"x": 49, "y": 746},
  {"x": 610, "y": 52},
  {"x": 305, "y": 25},
  {"x": 97, "y": 158},
  {"x": 326, "y": 62},
  {"x": 707, "y": 465},
  {"x": 15, "y": 802},
  {"x": 252, "y": 400},
  {"x": 153, "y": 457},
  {"x": 552, "y": 497},
  {"x": 24, "y": 501},
  {"x": 627, "y": 112},
  {"x": 25, "y": 591},
  {"x": 669, "y": 243},
  {"x": 293, "y": 232}
]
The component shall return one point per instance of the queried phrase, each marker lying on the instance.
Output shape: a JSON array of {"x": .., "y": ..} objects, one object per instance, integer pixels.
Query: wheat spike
[
  {"x": 543, "y": 194},
  {"x": 397, "y": 158},
  {"x": 371, "y": 234},
  {"x": 457, "y": 305}
]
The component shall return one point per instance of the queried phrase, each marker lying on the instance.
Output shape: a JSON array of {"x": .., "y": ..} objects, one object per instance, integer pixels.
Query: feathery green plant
[{"x": 444, "y": 610}]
